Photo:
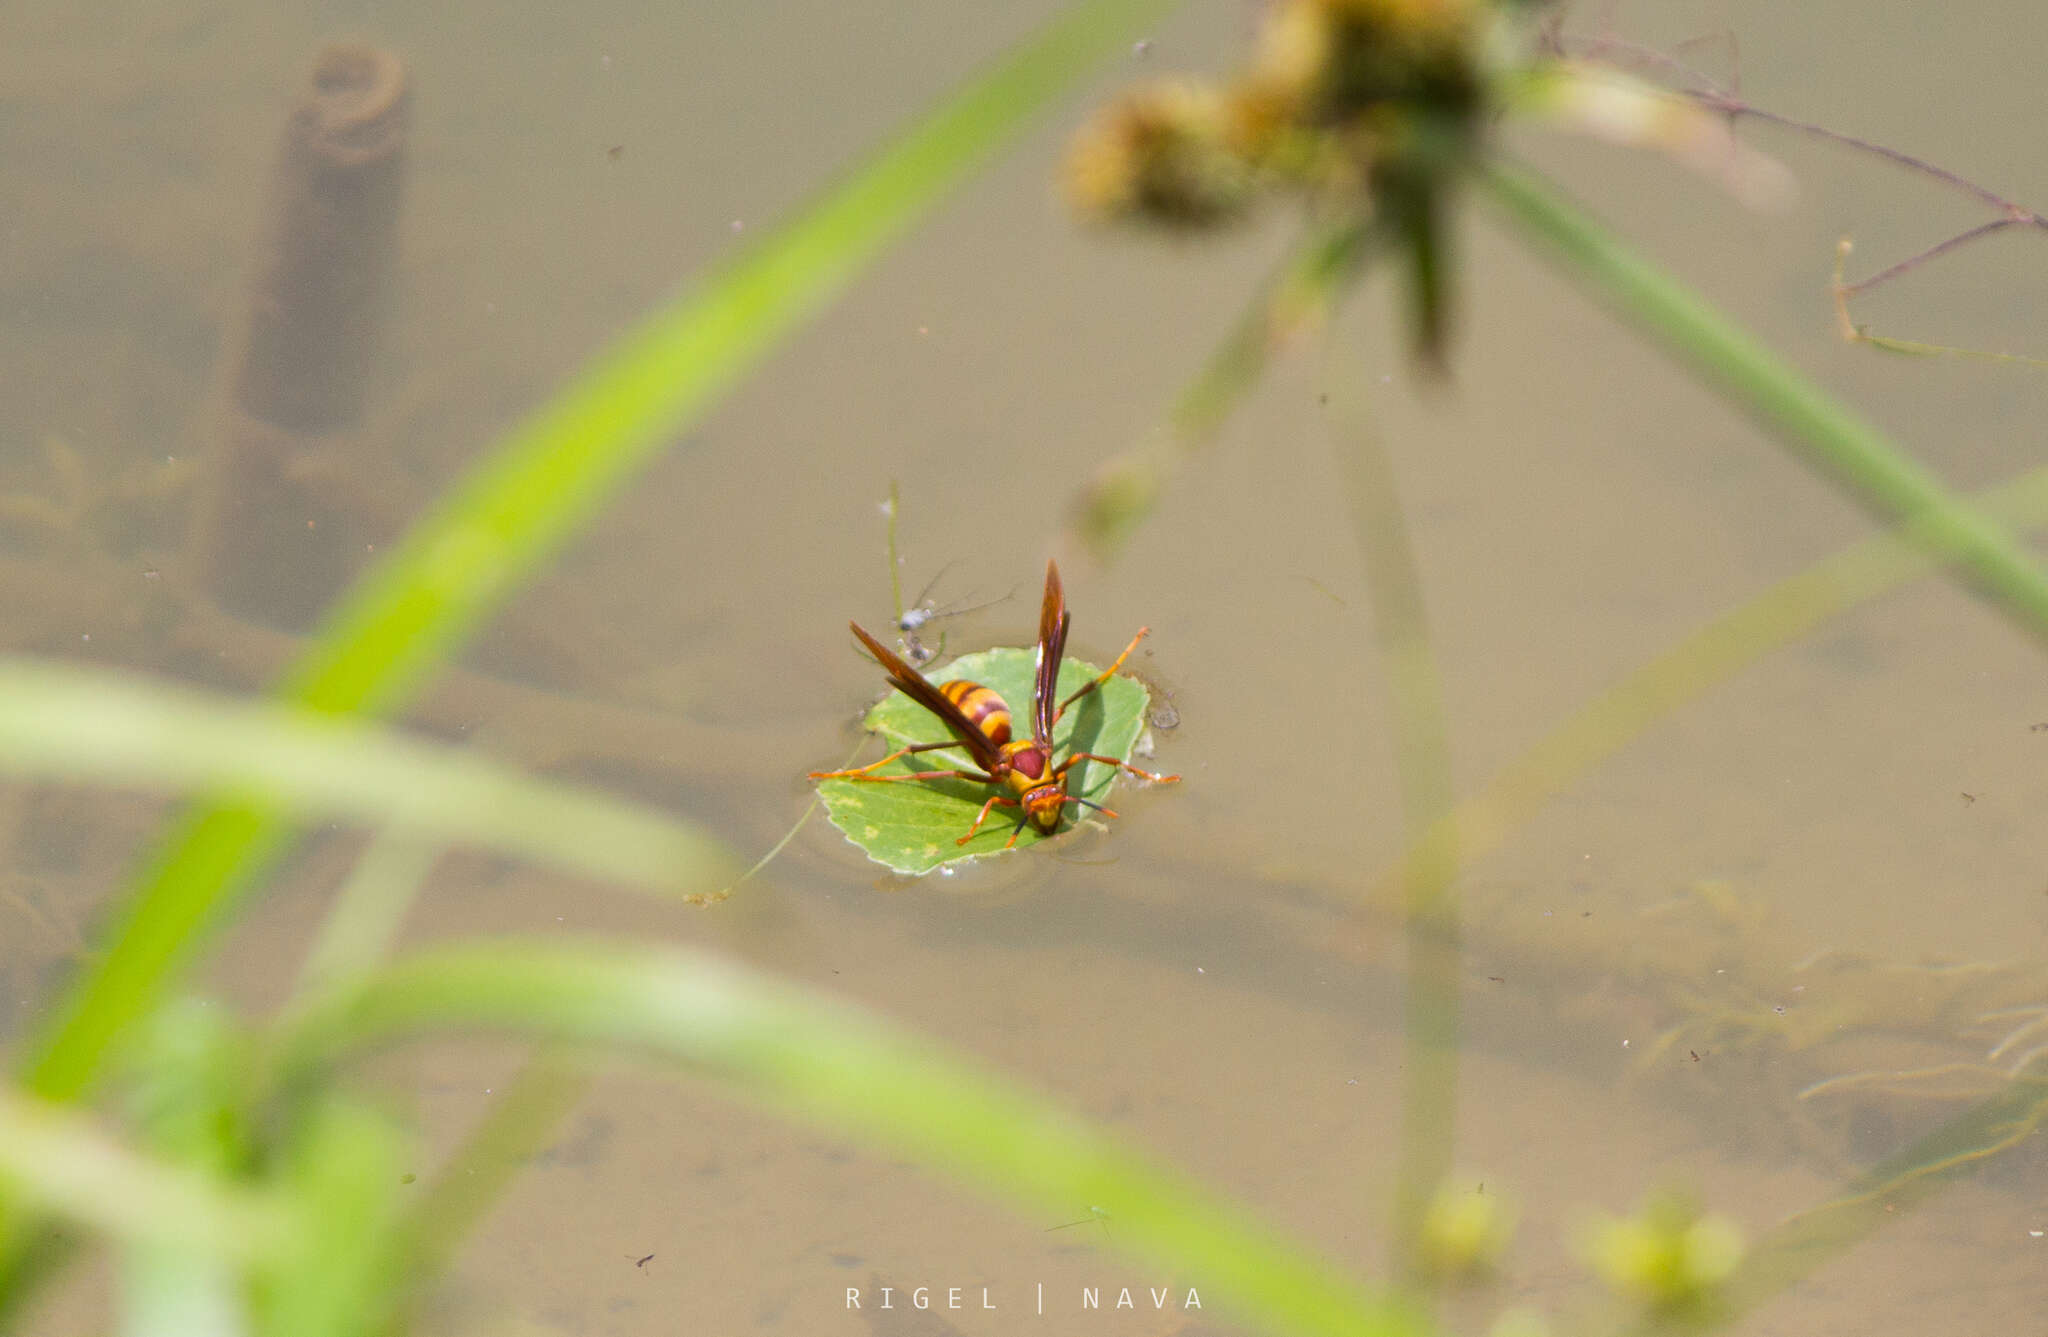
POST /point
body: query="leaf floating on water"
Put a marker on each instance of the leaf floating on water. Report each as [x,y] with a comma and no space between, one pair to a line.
[911,827]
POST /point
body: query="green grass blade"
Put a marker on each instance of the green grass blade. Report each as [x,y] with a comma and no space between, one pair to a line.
[167,1291]
[1847,450]
[853,1073]
[546,480]
[365,916]
[65,1165]
[70,722]
[338,1277]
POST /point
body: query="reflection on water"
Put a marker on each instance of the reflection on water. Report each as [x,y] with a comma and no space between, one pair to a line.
[1835,976]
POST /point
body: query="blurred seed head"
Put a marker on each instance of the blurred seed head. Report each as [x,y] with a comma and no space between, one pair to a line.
[1161,153]
[1464,1233]
[1672,1255]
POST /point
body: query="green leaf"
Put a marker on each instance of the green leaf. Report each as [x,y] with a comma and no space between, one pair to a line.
[914,826]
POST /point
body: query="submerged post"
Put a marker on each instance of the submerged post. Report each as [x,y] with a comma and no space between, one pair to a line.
[276,534]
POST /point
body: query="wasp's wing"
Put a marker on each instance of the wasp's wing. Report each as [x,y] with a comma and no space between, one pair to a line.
[919,689]
[1052,643]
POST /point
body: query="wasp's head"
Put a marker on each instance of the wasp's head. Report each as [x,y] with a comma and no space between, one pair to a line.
[1044,803]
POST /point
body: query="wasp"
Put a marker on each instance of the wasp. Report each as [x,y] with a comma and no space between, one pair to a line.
[1021,770]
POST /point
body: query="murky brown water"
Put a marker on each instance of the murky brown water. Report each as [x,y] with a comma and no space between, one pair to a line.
[1194,981]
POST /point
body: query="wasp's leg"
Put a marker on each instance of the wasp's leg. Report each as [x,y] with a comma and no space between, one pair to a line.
[1000,800]
[1105,675]
[861,772]
[1066,765]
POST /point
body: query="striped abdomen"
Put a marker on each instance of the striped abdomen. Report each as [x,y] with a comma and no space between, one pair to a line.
[989,712]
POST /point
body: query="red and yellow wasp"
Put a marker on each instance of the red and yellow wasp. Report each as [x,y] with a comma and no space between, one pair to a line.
[979,720]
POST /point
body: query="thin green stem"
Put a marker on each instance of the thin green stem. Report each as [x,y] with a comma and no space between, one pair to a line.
[1300,292]
[1422,761]
[522,1117]
[357,932]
